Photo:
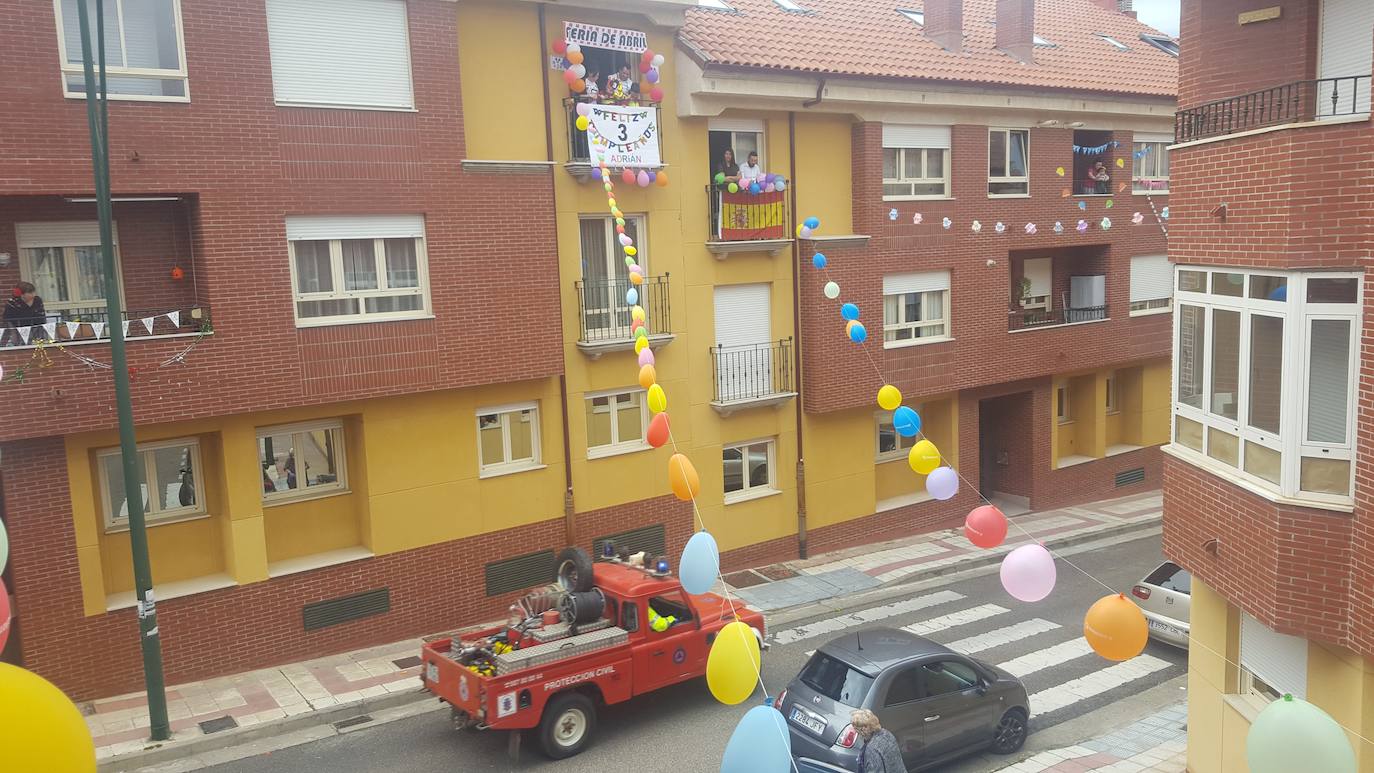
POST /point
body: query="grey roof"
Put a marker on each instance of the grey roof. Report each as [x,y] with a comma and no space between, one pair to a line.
[874,649]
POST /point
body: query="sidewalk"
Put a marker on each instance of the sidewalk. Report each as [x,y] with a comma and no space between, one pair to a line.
[1155,744]
[233,709]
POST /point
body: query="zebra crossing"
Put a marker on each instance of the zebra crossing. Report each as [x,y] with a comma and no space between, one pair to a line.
[1062,674]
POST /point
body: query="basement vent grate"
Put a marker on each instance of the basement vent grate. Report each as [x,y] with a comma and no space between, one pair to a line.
[323,614]
[1130,477]
[652,538]
[361,719]
[404,663]
[520,573]
[217,724]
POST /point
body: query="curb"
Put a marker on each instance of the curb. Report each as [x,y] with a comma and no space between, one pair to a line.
[161,753]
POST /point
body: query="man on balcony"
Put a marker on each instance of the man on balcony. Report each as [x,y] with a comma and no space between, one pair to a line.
[24,309]
[750,171]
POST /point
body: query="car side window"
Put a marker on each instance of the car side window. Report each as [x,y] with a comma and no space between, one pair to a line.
[629,616]
[672,605]
[904,687]
[612,611]
[947,676]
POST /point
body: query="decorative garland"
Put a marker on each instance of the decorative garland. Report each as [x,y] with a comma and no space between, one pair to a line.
[40,358]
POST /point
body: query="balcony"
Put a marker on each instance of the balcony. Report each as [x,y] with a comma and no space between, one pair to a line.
[752,376]
[1297,102]
[604,321]
[747,222]
[646,156]
[81,326]
[1026,319]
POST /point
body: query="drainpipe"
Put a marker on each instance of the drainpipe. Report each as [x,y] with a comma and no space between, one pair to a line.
[796,328]
[569,511]
[820,94]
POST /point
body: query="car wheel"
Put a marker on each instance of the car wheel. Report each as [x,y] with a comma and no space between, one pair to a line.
[567,726]
[575,570]
[1010,733]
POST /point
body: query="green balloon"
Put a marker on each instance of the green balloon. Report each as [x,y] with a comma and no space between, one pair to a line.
[720,178]
[641,332]
[733,188]
[620,221]
[629,261]
[1292,734]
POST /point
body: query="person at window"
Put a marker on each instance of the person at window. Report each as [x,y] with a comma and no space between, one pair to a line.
[750,172]
[881,753]
[621,85]
[1101,178]
[593,92]
[728,167]
[24,309]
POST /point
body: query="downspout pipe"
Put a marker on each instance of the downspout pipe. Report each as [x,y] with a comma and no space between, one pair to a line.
[820,94]
[796,328]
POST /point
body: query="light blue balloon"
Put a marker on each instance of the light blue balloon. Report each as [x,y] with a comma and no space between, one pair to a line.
[818,260]
[700,564]
[857,333]
[812,222]
[942,483]
[1082,205]
[4,547]
[780,184]
[849,311]
[906,421]
[760,744]
[632,296]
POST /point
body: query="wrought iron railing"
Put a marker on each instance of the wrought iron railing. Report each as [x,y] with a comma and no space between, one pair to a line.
[1022,319]
[605,313]
[578,149]
[752,371]
[746,216]
[93,323]
[1288,103]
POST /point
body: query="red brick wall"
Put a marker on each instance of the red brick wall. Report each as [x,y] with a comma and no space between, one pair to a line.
[1007,425]
[1221,58]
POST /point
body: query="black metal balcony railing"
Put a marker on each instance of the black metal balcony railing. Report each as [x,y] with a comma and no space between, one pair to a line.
[752,371]
[1022,319]
[82,324]
[578,149]
[745,216]
[1289,103]
[605,314]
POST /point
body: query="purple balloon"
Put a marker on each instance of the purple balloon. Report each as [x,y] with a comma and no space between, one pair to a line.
[643,179]
[942,483]
[652,76]
[596,173]
[1028,572]
[646,357]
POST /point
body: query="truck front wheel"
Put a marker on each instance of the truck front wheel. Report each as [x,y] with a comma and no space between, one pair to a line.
[567,725]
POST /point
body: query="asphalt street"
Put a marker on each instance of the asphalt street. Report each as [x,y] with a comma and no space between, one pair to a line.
[683,729]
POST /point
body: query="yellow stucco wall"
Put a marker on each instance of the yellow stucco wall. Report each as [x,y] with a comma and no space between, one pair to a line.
[499,60]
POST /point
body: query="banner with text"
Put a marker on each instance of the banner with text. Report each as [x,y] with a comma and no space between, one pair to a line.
[622,136]
[610,38]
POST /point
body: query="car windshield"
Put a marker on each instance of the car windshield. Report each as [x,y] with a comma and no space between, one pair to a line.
[836,680]
[1170,577]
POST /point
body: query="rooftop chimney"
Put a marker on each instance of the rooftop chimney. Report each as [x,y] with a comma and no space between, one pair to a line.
[944,23]
[1016,29]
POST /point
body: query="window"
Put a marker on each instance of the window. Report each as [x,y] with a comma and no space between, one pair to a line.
[1152,284]
[915,162]
[62,260]
[169,478]
[891,445]
[1265,369]
[915,308]
[340,53]
[616,422]
[947,676]
[719,4]
[672,605]
[748,469]
[1008,160]
[143,49]
[788,5]
[1037,277]
[1150,170]
[629,616]
[1271,663]
[1113,42]
[916,16]
[605,277]
[905,687]
[1113,396]
[301,460]
[1061,404]
[834,679]
[358,269]
[507,439]
[1169,576]
[1165,44]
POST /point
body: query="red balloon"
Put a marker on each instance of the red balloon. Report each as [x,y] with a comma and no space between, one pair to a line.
[985,526]
[647,56]
[560,47]
[569,76]
[5,606]
[628,176]
[656,94]
[658,430]
[645,67]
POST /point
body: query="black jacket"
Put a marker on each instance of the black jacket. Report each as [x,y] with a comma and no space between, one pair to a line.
[20,314]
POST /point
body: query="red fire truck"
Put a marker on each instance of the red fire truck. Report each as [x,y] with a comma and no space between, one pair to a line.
[603,634]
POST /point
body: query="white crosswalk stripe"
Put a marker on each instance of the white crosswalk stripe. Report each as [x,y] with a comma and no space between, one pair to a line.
[845,622]
[1075,690]
[1063,652]
[970,615]
[985,641]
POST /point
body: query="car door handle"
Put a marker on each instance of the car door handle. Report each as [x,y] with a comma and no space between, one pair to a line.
[658,654]
[932,719]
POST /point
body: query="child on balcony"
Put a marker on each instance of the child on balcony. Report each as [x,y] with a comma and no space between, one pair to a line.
[621,86]
[1102,177]
[24,309]
[593,92]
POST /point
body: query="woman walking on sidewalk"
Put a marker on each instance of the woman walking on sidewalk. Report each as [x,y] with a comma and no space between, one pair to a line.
[881,752]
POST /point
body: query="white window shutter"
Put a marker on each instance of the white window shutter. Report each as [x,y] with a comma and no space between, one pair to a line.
[1167,139]
[1328,369]
[925,281]
[301,228]
[1152,277]
[910,136]
[743,315]
[352,53]
[1278,659]
[61,233]
[1040,272]
[1345,51]
[735,125]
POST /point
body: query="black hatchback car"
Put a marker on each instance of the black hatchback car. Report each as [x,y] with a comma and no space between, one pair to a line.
[940,704]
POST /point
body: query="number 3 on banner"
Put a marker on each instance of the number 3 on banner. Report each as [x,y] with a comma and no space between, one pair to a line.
[624,132]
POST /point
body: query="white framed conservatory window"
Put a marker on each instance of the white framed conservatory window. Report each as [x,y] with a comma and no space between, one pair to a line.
[616,422]
[1265,368]
[145,53]
[749,470]
[1008,162]
[508,439]
[349,269]
[302,461]
[915,308]
[170,483]
[62,259]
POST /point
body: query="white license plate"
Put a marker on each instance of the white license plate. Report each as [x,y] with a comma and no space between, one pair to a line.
[814,725]
[432,672]
[1164,627]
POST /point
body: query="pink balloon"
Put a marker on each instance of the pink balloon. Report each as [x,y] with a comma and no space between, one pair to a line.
[4,615]
[1028,572]
[656,93]
[626,241]
[646,357]
[643,179]
[628,176]
[583,108]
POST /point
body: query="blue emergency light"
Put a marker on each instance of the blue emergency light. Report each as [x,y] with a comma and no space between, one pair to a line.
[662,566]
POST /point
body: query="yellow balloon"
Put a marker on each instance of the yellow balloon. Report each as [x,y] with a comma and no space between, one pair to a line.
[641,344]
[40,728]
[637,313]
[582,123]
[647,376]
[683,478]
[1115,628]
[636,278]
[610,203]
[924,457]
[631,250]
[889,397]
[658,400]
[732,667]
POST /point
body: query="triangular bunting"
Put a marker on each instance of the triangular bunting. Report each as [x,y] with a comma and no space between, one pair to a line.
[51,329]
[175,317]
[126,328]
[24,332]
[147,323]
[98,328]
[72,329]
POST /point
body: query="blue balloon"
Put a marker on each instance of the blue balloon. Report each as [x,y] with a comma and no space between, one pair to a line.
[812,222]
[906,421]
[700,564]
[1279,293]
[754,188]
[818,260]
[760,744]
[849,311]
[857,333]
[596,173]
[1082,205]
[631,296]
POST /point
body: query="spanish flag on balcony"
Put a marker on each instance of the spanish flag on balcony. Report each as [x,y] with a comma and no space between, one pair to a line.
[747,216]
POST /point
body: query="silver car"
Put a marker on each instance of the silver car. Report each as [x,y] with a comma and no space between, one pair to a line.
[1163,596]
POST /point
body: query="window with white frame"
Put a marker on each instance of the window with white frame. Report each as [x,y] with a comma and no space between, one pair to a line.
[144,53]
[302,460]
[1150,171]
[358,268]
[890,444]
[1271,663]
[915,162]
[1265,365]
[1113,394]
[748,469]
[169,482]
[340,53]
[605,277]
[62,259]
[1062,409]
[915,308]
[1008,162]
[1152,284]
[616,422]
[508,438]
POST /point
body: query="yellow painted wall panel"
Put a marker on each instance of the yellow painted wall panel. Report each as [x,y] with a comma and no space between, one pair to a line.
[246,554]
[425,516]
[92,579]
[311,526]
[177,551]
[500,62]
[895,479]
[1155,402]
[824,144]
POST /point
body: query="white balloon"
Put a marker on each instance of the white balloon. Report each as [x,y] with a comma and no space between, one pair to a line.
[579,70]
[657,61]
[574,48]
[832,290]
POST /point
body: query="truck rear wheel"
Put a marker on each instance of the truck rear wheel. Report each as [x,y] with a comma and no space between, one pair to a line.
[567,725]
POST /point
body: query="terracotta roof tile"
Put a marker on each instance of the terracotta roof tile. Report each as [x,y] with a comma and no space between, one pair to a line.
[870,38]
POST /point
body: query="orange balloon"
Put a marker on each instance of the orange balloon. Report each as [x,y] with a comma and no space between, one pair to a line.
[1115,628]
[658,428]
[576,57]
[578,86]
[636,278]
[647,377]
[662,180]
[682,477]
